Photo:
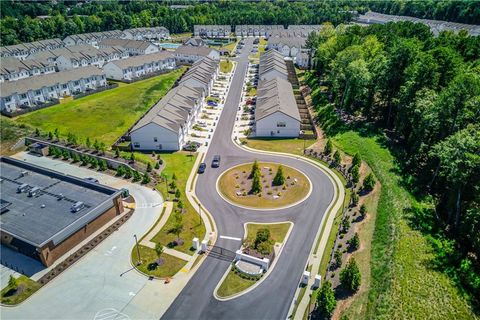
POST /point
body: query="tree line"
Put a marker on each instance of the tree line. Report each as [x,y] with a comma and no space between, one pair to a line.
[423,92]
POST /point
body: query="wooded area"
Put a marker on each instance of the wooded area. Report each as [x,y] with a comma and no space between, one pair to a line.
[424,93]
[20,22]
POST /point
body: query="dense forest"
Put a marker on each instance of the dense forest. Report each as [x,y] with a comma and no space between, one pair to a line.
[423,92]
[24,21]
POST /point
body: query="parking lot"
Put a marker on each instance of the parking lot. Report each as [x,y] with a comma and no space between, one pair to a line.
[202,131]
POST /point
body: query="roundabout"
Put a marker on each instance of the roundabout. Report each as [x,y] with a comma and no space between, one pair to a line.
[277,186]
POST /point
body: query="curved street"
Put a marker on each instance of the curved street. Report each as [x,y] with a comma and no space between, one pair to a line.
[272,298]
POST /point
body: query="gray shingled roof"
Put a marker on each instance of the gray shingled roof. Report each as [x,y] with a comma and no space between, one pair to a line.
[272,60]
[298,42]
[276,95]
[140,60]
[48,80]
[27,46]
[192,50]
[128,44]
[172,111]
[95,35]
[12,65]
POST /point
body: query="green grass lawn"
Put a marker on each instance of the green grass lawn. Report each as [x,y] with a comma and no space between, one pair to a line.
[278,231]
[233,284]
[226,66]
[294,145]
[105,115]
[401,257]
[170,267]
[10,132]
[26,287]
[180,163]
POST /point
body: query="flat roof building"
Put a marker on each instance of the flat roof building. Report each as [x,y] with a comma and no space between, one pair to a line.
[46,213]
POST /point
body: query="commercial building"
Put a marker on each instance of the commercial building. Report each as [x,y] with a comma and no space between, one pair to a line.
[13,69]
[46,213]
[213,31]
[133,47]
[276,112]
[191,54]
[38,90]
[139,66]
[272,65]
[22,50]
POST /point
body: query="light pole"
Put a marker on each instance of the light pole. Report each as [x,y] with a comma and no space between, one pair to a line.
[138,250]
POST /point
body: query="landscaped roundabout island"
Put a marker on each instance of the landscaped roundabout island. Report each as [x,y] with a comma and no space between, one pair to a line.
[263,185]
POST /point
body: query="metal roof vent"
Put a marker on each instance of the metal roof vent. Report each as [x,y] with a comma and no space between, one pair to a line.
[34,191]
[79,205]
[24,173]
[42,206]
[22,188]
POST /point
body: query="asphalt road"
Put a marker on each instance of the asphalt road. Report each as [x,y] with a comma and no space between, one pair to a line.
[272,298]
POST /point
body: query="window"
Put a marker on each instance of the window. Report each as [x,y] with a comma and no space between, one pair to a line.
[37,92]
[8,99]
[155,139]
[281,124]
[136,145]
[64,86]
[23,95]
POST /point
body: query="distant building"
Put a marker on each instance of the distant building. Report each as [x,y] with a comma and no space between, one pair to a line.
[276,112]
[139,66]
[436,26]
[251,30]
[191,54]
[133,47]
[288,47]
[13,69]
[152,33]
[212,31]
[41,89]
[22,50]
[92,38]
[272,65]
[47,213]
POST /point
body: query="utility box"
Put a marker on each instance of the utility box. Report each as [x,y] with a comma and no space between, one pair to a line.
[305,277]
[195,243]
[318,279]
[204,245]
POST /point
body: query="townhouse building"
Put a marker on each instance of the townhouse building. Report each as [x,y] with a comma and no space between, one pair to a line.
[34,91]
[190,54]
[153,33]
[139,66]
[92,38]
[202,74]
[212,31]
[272,65]
[133,47]
[22,50]
[250,30]
[13,69]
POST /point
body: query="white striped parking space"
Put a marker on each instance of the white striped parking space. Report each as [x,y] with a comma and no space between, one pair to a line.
[231,238]
[110,314]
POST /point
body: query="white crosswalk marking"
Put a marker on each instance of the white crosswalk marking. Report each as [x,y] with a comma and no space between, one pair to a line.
[230,238]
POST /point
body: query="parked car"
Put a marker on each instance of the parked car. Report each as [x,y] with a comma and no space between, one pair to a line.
[216,161]
[202,167]
[212,103]
[191,146]
[92,179]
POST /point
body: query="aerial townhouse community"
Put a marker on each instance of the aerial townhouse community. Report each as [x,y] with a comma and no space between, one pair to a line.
[213,31]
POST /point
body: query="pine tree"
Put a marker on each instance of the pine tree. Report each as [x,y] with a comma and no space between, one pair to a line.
[354,243]
[255,168]
[256,184]
[120,171]
[350,277]
[326,302]
[117,153]
[355,174]
[149,167]
[177,194]
[328,147]
[88,143]
[279,178]
[337,158]
[369,183]
[157,166]
[357,160]
[363,211]
[146,178]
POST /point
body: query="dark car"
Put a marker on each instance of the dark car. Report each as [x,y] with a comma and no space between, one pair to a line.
[202,167]
[191,146]
[216,161]
[92,179]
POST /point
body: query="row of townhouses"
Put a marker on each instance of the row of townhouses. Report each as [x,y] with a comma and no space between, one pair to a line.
[188,54]
[249,30]
[293,47]
[166,125]
[276,112]
[221,31]
[33,91]
[272,65]
[133,47]
[13,69]
[139,66]
[23,50]
[436,26]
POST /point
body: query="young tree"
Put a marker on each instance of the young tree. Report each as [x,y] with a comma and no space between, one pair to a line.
[255,169]
[350,277]
[326,302]
[37,132]
[354,243]
[337,158]
[354,199]
[263,235]
[345,224]
[180,205]
[75,157]
[256,184]
[357,160]
[159,249]
[128,173]
[153,154]
[136,176]
[132,157]
[146,178]
[369,183]
[174,177]
[279,178]
[177,194]
[102,147]
[120,171]
[149,167]
[355,174]
[337,256]
[117,153]
[56,133]
[177,226]
[50,135]
[363,211]
[96,145]
[157,166]
[88,143]
[102,165]
[328,147]
[172,185]
[93,162]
